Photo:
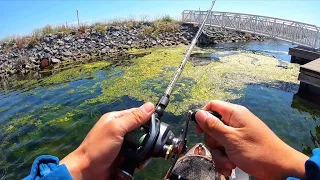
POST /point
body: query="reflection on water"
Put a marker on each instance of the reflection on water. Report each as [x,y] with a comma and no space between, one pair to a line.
[278,49]
[55,119]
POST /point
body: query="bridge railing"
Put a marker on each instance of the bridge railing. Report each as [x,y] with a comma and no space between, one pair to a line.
[292,31]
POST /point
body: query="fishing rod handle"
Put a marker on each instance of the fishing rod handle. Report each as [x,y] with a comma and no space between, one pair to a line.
[194,112]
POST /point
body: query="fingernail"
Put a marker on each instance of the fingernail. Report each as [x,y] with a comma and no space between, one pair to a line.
[201,116]
[147,107]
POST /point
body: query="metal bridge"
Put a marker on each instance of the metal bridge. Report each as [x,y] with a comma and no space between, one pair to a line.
[296,32]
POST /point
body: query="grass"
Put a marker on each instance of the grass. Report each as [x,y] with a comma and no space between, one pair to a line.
[147,30]
[166,24]
[100,27]
[167,18]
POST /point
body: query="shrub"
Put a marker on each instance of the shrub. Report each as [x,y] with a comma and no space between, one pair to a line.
[100,27]
[147,30]
[48,29]
[165,26]
[167,18]
[129,23]
[37,33]
[32,41]
[63,28]
[83,28]
[21,42]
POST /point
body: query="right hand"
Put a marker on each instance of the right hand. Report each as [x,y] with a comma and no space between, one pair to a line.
[241,139]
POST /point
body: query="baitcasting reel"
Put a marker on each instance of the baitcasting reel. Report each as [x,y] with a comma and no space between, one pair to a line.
[154,140]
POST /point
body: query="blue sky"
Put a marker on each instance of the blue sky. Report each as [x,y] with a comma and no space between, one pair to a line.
[20,17]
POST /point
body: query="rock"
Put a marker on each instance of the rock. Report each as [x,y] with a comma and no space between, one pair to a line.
[81,40]
[46,49]
[126,47]
[154,42]
[67,39]
[66,53]
[55,60]
[129,42]
[54,52]
[104,51]
[33,60]
[113,28]
[60,43]
[46,39]
[39,48]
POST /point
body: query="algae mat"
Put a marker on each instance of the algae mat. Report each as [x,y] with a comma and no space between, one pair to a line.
[225,79]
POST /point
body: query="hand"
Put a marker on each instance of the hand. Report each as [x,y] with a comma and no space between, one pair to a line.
[241,139]
[95,157]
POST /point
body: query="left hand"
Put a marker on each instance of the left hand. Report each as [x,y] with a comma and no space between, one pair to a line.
[94,158]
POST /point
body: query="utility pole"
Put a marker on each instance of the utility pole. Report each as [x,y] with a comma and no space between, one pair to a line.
[78,18]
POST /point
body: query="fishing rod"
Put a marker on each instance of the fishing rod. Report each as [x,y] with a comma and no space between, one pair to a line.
[156,139]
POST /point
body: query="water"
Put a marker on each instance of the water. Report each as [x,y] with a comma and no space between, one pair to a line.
[276,48]
[55,119]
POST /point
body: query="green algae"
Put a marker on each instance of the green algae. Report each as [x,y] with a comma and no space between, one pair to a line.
[62,119]
[24,83]
[84,71]
[148,77]
[80,72]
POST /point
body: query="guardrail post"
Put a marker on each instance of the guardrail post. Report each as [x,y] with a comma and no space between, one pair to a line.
[316,40]
[222,22]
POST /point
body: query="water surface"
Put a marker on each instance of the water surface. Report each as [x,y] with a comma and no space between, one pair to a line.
[54,119]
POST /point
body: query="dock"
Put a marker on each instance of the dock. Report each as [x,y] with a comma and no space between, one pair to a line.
[303,55]
[309,78]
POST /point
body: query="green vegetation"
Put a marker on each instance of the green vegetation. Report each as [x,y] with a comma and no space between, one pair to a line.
[167,18]
[146,80]
[160,26]
[80,72]
[100,27]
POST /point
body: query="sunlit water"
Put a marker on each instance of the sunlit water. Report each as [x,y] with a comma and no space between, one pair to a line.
[291,118]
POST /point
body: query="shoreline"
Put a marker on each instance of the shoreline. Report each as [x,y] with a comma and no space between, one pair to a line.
[108,42]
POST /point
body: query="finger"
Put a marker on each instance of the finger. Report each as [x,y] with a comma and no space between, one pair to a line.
[223,164]
[212,143]
[212,125]
[198,129]
[117,114]
[133,119]
[225,109]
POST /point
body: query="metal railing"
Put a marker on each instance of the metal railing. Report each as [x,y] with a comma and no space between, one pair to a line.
[296,32]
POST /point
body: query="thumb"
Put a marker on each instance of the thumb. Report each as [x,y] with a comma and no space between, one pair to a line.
[135,118]
[212,125]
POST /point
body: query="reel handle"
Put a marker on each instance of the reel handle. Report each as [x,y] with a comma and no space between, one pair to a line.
[194,112]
